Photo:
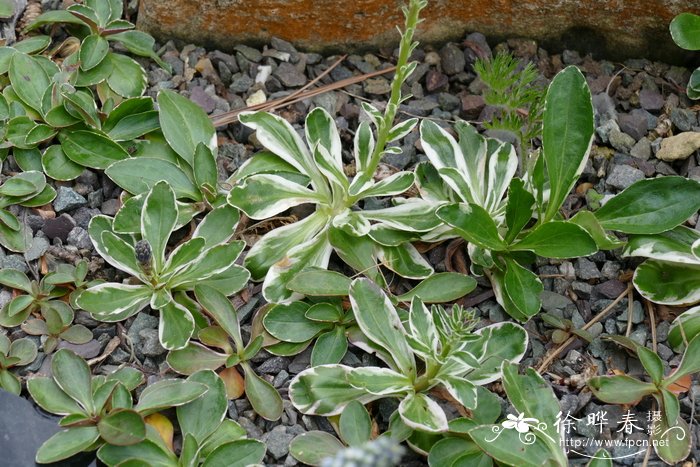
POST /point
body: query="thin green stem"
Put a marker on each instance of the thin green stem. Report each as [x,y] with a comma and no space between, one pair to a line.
[402,72]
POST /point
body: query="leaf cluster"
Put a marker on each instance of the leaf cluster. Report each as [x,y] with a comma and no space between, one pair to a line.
[684,31]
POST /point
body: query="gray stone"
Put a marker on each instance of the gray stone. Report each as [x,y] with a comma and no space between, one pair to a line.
[571,57]
[95,199]
[273,365]
[38,248]
[240,83]
[202,99]
[452,59]
[300,362]
[79,238]
[278,441]
[14,262]
[622,176]
[683,119]
[620,141]
[552,301]
[651,99]
[327,101]
[377,86]
[289,75]
[448,101]
[141,322]
[67,199]
[250,53]
[662,331]
[88,350]
[610,289]
[611,269]
[281,379]
[639,336]
[634,124]
[664,352]
[637,313]
[586,269]
[150,344]
[642,149]
[604,108]
[110,207]
[582,289]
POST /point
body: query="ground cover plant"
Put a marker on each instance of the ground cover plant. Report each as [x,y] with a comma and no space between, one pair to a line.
[342,254]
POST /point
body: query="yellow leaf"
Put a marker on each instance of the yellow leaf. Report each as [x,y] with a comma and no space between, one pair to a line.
[164,427]
[235,385]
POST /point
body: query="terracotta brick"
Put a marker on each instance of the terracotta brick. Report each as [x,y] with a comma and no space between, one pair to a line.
[615,28]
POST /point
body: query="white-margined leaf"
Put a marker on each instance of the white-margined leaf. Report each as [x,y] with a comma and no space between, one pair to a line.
[324,390]
[321,130]
[266,195]
[402,129]
[315,252]
[158,220]
[218,226]
[412,216]
[497,343]
[674,245]
[461,389]
[364,146]
[379,381]
[404,260]
[275,245]
[668,283]
[420,412]
[176,326]
[393,185]
[378,319]
[111,299]
[422,326]
[352,222]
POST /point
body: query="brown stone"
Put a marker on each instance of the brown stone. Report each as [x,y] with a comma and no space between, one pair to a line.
[629,28]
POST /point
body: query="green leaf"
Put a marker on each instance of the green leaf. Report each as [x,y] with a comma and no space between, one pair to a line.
[24,349]
[330,347]
[588,221]
[457,452]
[674,245]
[50,397]
[379,321]
[92,150]
[519,208]
[241,453]
[355,425]
[405,260]
[28,79]
[672,443]
[685,31]
[218,226]
[222,310]
[314,446]
[651,206]
[462,390]
[58,166]
[420,412]
[440,287]
[152,170]
[263,397]
[290,324]
[147,452]
[67,443]
[73,376]
[93,50]
[55,16]
[205,170]
[15,279]
[567,134]
[134,126]
[158,220]
[176,326]
[684,328]
[531,395]
[122,428]
[509,450]
[128,78]
[620,389]
[473,223]
[201,417]
[265,195]
[195,357]
[81,105]
[23,184]
[601,458]
[320,282]
[185,125]
[523,288]
[168,393]
[668,283]
[140,43]
[690,363]
[558,240]
[28,159]
[652,363]
[496,343]
[7,8]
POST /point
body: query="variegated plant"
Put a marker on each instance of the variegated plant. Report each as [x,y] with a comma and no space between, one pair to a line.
[433,348]
[194,357]
[337,224]
[508,220]
[671,275]
[27,189]
[136,242]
